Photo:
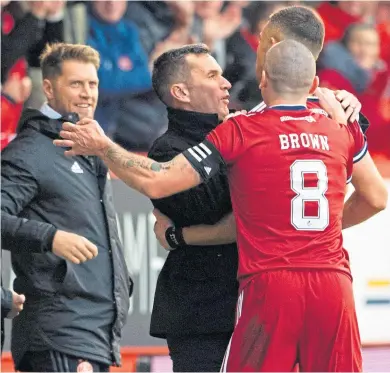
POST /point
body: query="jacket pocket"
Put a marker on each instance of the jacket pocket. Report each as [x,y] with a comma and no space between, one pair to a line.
[70,286]
[46,272]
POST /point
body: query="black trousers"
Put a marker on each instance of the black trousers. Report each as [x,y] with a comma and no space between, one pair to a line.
[54,361]
[198,353]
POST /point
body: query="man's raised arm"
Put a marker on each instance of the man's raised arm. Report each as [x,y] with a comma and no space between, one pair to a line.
[151,178]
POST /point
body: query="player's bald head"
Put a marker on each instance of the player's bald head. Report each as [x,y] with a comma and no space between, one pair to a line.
[290,68]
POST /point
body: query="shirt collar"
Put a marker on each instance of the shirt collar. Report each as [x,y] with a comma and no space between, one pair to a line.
[288,107]
[49,112]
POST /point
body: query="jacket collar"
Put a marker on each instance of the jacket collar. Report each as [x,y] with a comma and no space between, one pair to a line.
[42,123]
[191,123]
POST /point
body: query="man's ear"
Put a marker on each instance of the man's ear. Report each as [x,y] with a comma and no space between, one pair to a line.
[263,80]
[180,92]
[47,87]
[314,85]
[274,41]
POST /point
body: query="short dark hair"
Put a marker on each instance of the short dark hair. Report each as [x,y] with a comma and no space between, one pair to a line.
[302,24]
[55,54]
[172,67]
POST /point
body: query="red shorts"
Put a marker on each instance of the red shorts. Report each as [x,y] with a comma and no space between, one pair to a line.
[289,317]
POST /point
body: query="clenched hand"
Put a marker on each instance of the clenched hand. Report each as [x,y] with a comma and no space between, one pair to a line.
[17,305]
[73,247]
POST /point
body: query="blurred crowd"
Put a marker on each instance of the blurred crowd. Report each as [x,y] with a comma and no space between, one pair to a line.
[131,35]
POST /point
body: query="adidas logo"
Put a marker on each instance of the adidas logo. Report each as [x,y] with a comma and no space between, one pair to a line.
[76,168]
[208,170]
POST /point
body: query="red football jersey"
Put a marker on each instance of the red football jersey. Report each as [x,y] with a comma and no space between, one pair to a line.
[288,168]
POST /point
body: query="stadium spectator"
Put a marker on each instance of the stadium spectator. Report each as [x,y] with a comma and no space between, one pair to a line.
[128,108]
[59,224]
[14,92]
[354,64]
[241,55]
[25,27]
[213,23]
[157,20]
[337,15]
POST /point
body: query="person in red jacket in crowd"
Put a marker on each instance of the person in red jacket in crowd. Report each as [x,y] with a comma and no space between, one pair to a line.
[337,15]
[14,92]
[25,28]
[354,64]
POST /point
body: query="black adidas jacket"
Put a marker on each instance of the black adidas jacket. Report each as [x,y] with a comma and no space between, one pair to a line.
[75,309]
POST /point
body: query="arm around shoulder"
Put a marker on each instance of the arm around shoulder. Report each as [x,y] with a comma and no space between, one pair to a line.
[370,195]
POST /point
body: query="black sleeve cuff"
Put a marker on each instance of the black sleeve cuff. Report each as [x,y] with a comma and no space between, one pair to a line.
[48,243]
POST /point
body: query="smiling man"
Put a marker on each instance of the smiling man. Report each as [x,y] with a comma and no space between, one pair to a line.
[56,219]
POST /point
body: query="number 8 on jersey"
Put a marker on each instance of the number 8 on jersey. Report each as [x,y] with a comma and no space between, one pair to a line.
[306,194]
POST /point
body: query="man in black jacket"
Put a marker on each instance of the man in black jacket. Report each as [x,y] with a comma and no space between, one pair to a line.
[59,223]
[196,290]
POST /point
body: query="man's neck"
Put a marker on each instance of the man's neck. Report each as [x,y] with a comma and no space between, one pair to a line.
[286,101]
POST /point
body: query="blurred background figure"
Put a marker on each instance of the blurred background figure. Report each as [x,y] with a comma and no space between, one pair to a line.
[128,107]
[26,28]
[241,54]
[354,64]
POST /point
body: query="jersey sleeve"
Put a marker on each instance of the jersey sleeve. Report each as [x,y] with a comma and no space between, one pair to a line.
[228,138]
[359,147]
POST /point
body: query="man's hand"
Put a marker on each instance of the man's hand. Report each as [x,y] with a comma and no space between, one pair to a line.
[183,11]
[54,8]
[73,247]
[160,226]
[85,137]
[17,305]
[38,8]
[331,105]
[222,25]
[350,104]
